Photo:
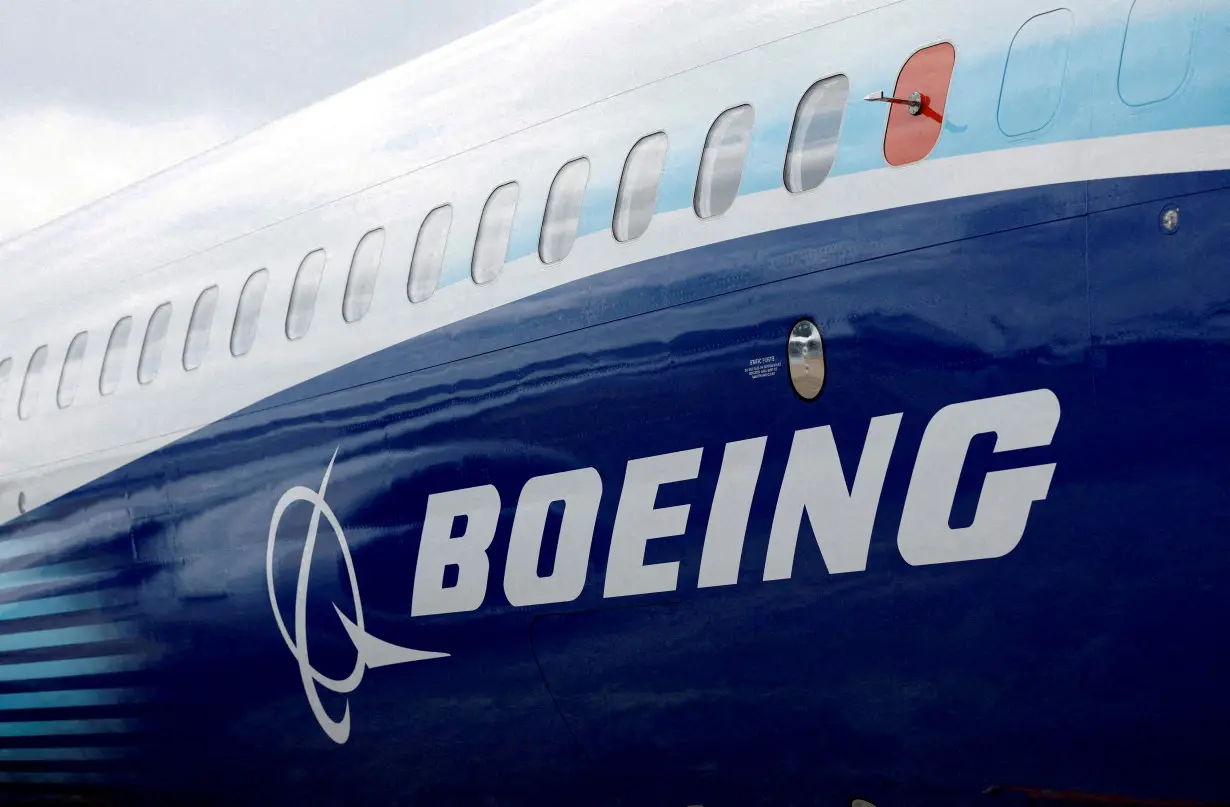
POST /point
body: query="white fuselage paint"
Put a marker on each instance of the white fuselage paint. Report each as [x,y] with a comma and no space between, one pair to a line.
[580,492]
[1026,420]
[841,517]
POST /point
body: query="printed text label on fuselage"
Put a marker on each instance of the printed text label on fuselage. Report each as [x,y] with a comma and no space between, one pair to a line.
[814,486]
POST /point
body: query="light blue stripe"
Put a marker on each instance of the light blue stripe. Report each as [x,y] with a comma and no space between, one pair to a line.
[58,637]
[1085,108]
[67,604]
[81,533]
[63,754]
[63,668]
[17,547]
[69,698]
[54,778]
[55,573]
[56,728]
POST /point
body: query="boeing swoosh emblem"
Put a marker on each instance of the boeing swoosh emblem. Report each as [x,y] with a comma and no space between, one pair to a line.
[372,652]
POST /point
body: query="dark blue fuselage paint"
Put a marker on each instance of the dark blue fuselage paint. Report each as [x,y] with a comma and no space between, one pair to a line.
[1089,658]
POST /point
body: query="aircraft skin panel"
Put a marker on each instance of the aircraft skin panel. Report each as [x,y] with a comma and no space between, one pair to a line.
[573,536]
[828,683]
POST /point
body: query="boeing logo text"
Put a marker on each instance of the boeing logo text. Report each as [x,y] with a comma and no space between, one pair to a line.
[814,486]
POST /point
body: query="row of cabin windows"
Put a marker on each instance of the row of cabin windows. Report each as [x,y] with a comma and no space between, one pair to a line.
[809,158]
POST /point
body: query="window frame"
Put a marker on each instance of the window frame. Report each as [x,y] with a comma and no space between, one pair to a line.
[296,290]
[6,377]
[446,208]
[707,172]
[33,393]
[82,338]
[791,151]
[244,306]
[1008,118]
[154,358]
[657,190]
[108,353]
[354,314]
[200,342]
[506,239]
[575,235]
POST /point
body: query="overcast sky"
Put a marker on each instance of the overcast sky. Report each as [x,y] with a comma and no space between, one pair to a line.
[96,94]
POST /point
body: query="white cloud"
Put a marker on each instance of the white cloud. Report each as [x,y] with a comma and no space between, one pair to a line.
[55,161]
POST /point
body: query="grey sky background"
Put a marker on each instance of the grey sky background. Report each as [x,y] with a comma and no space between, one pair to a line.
[97,94]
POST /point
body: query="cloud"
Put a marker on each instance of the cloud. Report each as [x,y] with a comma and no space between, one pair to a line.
[54,161]
[101,94]
[247,60]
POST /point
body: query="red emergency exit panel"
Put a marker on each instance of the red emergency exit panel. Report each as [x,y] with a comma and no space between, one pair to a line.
[910,138]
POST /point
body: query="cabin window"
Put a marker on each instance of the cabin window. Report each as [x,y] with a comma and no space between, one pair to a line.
[1034,75]
[248,312]
[70,373]
[721,163]
[113,359]
[303,295]
[494,229]
[151,348]
[1157,50]
[910,138]
[197,343]
[30,386]
[361,283]
[816,131]
[638,187]
[428,259]
[563,216]
[6,370]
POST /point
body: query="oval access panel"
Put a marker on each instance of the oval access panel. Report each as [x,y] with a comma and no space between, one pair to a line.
[805,357]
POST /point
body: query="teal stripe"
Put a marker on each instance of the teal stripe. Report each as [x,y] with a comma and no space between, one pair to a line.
[31,545]
[63,754]
[67,604]
[54,778]
[63,668]
[58,637]
[55,573]
[69,698]
[55,728]
[48,540]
